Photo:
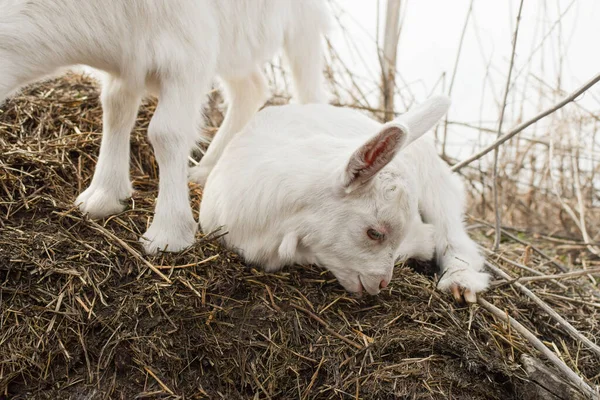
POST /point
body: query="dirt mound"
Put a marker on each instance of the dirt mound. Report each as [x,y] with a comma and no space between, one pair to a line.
[83,315]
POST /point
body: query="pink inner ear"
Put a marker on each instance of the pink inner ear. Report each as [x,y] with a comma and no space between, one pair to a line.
[379,148]
[372,156]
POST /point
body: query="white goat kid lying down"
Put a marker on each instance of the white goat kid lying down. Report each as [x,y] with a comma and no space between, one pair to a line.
[174,49]
[328,186]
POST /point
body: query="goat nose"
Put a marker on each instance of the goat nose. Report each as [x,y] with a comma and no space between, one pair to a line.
[383,284]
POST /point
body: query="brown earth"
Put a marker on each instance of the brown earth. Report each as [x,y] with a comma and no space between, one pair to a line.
[84,318]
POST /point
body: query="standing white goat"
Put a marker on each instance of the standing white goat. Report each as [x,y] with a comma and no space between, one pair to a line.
[328,186]
[174,49]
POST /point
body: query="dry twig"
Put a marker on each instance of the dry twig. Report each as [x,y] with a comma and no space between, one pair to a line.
[129,249]
[575,334]
[558,363]
[497,209]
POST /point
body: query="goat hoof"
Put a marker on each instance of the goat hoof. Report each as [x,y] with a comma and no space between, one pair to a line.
[464,284]
[166,238]
[99,202]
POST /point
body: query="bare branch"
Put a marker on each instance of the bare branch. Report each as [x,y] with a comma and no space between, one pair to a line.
[575,334]
[566,275]
[388,61]
[460,46]
[575,379]
[526,124]
[501,120]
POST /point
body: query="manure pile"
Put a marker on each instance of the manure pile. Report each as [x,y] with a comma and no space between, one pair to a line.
[84,316]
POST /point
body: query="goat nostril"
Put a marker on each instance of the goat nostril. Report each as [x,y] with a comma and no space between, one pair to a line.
[383,284]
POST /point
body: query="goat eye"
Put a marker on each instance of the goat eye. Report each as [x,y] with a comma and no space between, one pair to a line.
[375,235]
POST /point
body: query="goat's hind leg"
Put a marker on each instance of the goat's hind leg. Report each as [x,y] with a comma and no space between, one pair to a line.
[110,184]
[304,53]
[245,97]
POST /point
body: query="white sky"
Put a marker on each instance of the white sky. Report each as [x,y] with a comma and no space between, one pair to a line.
[429,41]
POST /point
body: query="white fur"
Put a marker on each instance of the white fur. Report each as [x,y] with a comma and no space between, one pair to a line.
[174,48]
[305,183]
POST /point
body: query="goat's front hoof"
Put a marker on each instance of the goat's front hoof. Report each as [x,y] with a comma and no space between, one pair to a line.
[173,237]
[199,173]
[99,202]
[464,283]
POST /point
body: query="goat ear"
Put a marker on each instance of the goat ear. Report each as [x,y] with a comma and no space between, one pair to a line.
[424,116]
[375,154]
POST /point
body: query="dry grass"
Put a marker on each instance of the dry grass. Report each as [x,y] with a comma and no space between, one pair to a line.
[83,317]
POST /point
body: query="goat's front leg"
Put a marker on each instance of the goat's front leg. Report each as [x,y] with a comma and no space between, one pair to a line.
[110,184]
[245,97]
[442,204]
[172,134]
[304,53]
[419,242]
